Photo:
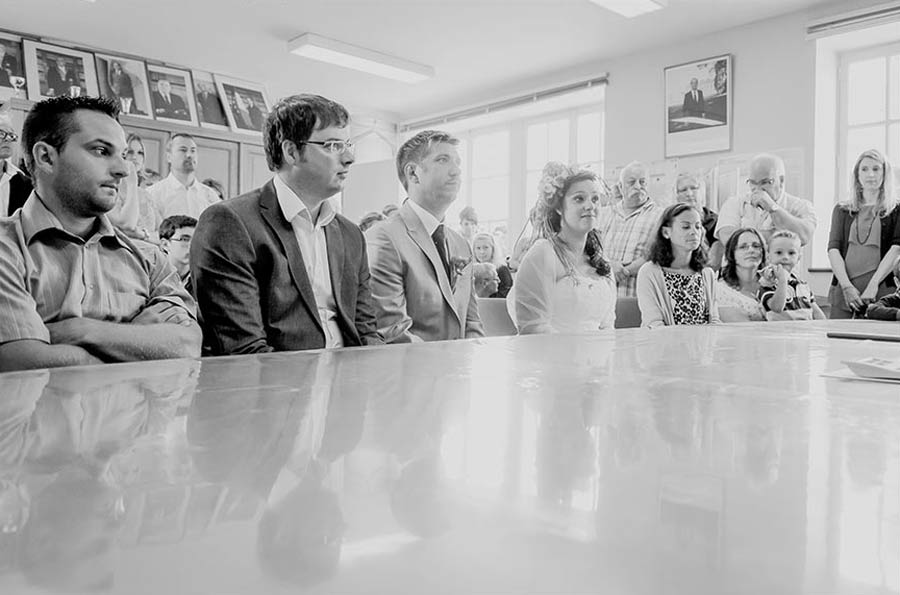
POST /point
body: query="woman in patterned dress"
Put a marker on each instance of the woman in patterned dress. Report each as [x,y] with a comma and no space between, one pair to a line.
[675,286]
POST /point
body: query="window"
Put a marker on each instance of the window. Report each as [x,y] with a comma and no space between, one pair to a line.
[503,154]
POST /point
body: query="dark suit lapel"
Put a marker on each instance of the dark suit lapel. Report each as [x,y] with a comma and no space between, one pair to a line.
[417,233]
[334,239]
[271,212]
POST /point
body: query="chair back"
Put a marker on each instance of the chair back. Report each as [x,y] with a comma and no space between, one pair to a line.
[495,318]
[628,315]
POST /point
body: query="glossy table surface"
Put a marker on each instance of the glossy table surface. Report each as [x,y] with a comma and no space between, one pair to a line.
[679,460]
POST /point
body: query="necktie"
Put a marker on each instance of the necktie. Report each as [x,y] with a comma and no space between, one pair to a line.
[695,97]
[440,242]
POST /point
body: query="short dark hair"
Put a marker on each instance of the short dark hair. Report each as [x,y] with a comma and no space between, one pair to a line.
[468,214]
[215,185]
[170,224]
[179,135]
[416,148]
[661,250]
[52,121]
[294,119]
[729,270]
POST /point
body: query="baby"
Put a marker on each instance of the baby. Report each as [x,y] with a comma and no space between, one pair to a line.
[782,294]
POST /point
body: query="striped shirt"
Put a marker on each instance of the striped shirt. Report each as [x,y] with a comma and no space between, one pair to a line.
[48,274]
[627,237]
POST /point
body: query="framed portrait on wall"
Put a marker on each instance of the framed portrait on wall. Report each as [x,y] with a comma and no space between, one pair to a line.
[53,71]
[12,67]
[172,94]
[125,80]
[246,104]
[210,107]
[698,106]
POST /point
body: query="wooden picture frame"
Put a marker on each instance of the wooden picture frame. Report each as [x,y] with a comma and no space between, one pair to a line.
[210,107]
[176,84]
[52,70]
[246,104]
[12,67]
[698,106]
[125,79]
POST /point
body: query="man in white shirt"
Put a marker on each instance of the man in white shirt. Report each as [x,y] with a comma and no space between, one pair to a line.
[422,269]
[278,269]
[767,208]
[180,193]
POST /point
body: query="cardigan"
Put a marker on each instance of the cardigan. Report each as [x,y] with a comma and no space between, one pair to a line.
[839,235]
[653,298]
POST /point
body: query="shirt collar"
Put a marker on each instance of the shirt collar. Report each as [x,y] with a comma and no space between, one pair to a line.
[620,207]
[428,220]
[291,205]
[172,181]
[36,218]
[8,169]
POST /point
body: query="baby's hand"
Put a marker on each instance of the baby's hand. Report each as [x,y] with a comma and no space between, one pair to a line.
[781,274]
[767,276]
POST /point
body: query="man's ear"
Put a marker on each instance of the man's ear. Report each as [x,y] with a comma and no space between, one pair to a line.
[45,156]
[290,151]
[411,172]
[164,245]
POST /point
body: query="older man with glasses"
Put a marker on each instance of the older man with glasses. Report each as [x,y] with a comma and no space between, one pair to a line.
[765,206]
[278,269]
[15,186]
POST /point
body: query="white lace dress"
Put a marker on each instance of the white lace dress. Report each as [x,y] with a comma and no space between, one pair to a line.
[734,306]
[545,299]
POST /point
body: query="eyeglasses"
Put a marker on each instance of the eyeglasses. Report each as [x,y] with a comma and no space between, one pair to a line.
[182,239]
[8,136]
[760,183]
[332,146]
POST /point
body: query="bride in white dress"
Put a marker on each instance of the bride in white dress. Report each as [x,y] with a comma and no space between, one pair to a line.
[564,285]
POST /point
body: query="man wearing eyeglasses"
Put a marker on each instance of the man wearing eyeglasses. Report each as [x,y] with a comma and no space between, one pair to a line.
[15,186]
[175,234]
[278,269]
[766,206]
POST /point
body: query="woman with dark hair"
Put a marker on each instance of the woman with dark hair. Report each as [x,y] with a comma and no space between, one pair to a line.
[738,291]
[864,241]
[675,286]
[564,284]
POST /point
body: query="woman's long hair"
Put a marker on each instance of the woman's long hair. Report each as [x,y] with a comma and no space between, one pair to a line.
[729,271]
[887,199]
[661,250]
[556,180]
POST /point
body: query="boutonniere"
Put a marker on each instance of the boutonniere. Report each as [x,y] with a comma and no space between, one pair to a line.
[457,266]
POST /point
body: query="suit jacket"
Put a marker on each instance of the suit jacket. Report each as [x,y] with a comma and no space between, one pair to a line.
[19,190]
[9,66]
[251,284]
[59,85]
[174,109]
[414,298]
[691,107]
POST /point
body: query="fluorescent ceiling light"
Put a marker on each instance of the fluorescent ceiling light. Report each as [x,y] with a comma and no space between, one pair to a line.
[631,8]
[316,47]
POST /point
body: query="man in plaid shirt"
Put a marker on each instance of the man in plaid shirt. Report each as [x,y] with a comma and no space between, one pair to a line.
[628,227]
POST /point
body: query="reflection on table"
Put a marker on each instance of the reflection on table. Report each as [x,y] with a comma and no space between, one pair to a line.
[679,460]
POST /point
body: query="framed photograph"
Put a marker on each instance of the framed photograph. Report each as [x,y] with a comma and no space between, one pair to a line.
[125,79]
[210,107]
[246,104]
[53,71]
[12,67]
[698,106]
[172,95]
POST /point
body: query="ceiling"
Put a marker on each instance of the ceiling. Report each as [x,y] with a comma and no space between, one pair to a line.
[480,49]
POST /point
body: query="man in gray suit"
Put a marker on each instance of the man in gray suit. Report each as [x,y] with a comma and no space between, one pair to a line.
[277,269]
[422,269]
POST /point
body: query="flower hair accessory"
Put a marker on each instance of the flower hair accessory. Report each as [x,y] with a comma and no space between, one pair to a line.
[553,178]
